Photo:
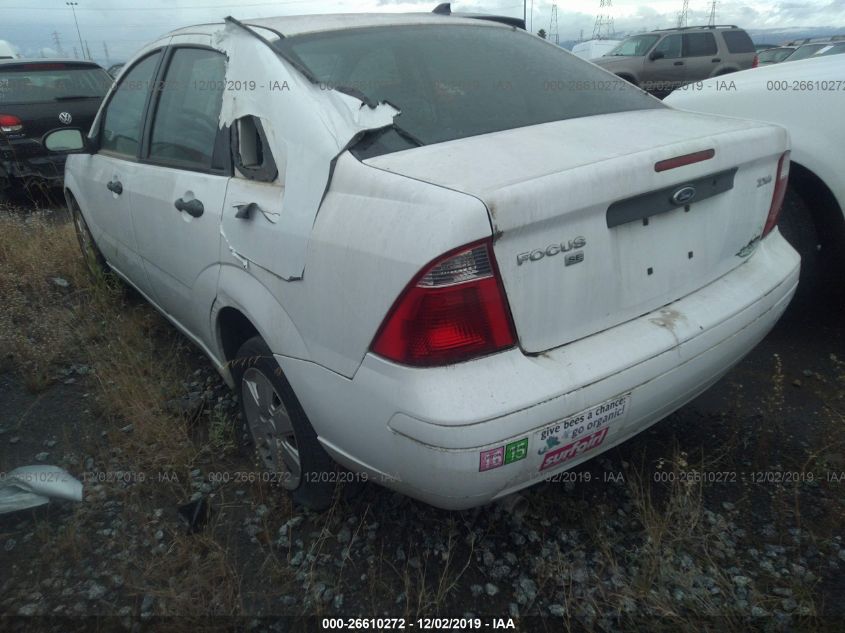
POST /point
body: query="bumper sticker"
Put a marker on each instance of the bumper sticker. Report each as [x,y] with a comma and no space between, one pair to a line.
[492,458]
[501,455]
[567,439]
[573,450]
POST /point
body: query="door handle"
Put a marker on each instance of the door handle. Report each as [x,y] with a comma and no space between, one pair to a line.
[679,63]
[115,187]
[193,207]
[716,60]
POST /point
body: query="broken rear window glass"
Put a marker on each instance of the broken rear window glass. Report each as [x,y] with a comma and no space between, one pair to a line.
[456,81]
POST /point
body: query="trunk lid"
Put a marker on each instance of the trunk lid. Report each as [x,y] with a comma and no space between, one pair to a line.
[584,232]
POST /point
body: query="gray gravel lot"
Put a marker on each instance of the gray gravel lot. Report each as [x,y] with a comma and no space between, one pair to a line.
[727,515]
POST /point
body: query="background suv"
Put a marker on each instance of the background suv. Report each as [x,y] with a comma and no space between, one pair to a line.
[662,60]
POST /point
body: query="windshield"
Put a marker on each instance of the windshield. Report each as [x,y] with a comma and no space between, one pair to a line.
[774,55]
[457,81]
[837,49]
[636,46]
[803,52]
[40,82]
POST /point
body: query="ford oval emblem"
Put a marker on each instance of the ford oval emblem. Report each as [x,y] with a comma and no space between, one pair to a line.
[65,118]
[684,195]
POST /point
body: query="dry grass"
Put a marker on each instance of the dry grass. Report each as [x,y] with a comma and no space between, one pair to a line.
[38,321]
[138,363]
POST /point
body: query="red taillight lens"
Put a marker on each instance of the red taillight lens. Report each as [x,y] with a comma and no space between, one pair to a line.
[10,123]
[454,310]
[756,62]
[777,197]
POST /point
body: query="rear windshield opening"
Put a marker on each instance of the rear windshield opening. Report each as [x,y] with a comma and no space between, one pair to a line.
[37,83]
[456,81]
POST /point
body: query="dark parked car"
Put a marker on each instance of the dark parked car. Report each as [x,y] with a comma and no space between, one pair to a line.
[36,97]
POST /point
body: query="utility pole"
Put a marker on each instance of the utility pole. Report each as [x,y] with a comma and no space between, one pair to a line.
[553,32]
[75,54]
[88,51]
[58,42]
[106,51]
[712,20]
[75,21]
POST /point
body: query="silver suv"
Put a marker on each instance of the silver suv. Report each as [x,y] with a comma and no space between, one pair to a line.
[662,60]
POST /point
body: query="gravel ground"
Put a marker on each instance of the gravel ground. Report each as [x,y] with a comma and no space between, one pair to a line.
[752,540]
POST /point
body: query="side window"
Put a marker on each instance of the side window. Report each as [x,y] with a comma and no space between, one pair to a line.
[699,44]
[124,116]
[185,127]
[738,42]
[251,152]
[670,46]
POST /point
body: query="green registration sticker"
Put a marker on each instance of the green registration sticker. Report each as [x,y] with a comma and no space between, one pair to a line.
[516,450]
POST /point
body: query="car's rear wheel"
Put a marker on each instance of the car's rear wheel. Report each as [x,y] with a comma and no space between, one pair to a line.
[275,432]
[94,260]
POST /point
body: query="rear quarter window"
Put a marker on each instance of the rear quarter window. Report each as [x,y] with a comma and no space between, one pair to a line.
[700,44]
[738,42]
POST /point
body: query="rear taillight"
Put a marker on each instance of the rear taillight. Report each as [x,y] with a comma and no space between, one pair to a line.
[10,124]
[454,310]
[756,62]
[779,193]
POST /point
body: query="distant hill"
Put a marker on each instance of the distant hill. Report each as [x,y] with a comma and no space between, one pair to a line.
[780,36]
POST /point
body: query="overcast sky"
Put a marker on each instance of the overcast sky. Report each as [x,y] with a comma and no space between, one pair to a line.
[125,25]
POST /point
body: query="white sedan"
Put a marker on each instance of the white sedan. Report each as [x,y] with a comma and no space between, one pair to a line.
[442,252]
[807,97]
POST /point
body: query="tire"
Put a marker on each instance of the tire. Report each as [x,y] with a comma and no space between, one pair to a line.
[798,227]
[275,432]
[94,260]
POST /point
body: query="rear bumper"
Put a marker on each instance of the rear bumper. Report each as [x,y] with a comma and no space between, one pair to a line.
[463,435]
[26,158]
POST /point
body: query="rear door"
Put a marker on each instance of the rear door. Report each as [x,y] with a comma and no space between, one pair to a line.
[701,55]
[180,184]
